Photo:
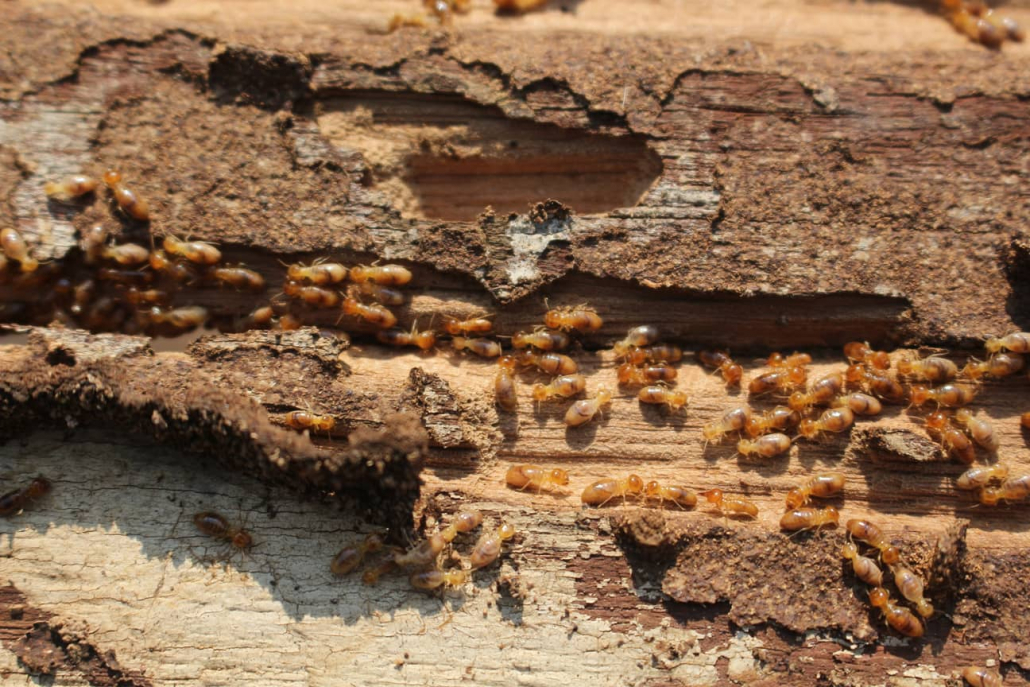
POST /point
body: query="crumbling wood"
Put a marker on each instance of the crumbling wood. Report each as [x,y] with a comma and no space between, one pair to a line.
[736,186]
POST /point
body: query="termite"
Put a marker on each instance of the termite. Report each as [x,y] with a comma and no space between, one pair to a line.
[602,491]
[735,505]
[536,478]
[70,187]
[898,617]
[584,410]
[350,557]
[17,500]
[821,486]
[214,525]
[488,548]
[806,518]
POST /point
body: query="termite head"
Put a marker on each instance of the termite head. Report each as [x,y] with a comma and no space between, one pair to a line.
[559,476]
[242,540]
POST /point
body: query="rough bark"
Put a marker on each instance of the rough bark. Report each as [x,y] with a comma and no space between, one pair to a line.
[725,179]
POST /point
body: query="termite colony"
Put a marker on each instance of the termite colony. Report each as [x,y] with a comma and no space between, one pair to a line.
[128,287]
[422,561]
[810,410]
[909,585]
[118,286]
[443,12]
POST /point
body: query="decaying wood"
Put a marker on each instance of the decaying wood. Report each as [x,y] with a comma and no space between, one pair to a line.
[723,179]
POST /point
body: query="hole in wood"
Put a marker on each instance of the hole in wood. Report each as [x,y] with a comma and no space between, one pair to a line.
[441,157]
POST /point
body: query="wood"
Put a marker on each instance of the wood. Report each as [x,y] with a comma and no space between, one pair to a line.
[712,172]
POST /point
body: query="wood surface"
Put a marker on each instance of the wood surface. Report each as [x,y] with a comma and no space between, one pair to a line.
[755,176]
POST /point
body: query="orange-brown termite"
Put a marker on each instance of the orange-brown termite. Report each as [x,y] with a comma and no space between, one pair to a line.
[315,296]
[859,403]
[301,420]
[395,336]
[317,273]
[980,429]
[462,523]
[875,381]
[472,325]
[681,496]
[793,360]
[542,339]
[861,352]
[70,187]
[731,372]
[94,241]
[488,548]
[377,315]
[1018,342]
[565,386]
[778,418]
[548,362]
[584,410]
[978,676]
[350,557]
[911,587]
[636,338]
[147,296]
[536,478]
[933,369]
[673,399]
[602,491]
[865,531]
[372,575]
[821,486]
[504,384]
[954,440]
[806,518]
[865,568]
[1012,489]
[380,294]
[239,277]
[14,247]
[579,318]
[731,505]
[161,263]
[998,365]
[630,374]
[214,525]
[834,420]
[782,379]
[127,254]
[422,554]
[821,392]
[127,200]
[766,446]
[183,319]
[386,275]
[435,579]
[734,420]
[980,476]
[898,617]
[17,500]
[484,348]
[197,252]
